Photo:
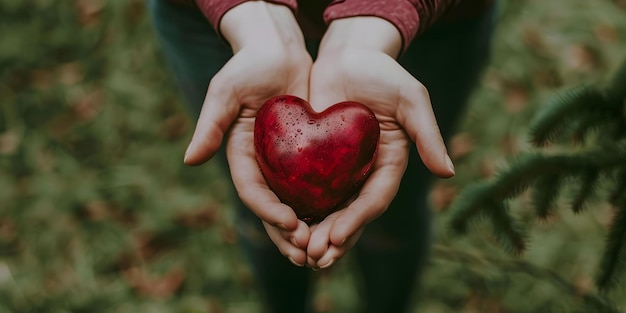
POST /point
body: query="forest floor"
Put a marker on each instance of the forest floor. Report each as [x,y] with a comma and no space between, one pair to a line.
[98,213]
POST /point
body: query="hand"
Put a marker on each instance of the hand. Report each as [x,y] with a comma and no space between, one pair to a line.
[269,59]
[356,62]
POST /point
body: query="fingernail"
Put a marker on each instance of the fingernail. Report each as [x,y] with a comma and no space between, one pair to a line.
[187,152]
[315,269]
[449,163]
[293,240]
[331,262]
[294,262]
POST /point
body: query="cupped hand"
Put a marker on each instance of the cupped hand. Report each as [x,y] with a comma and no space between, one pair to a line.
[367,72]
[269,59]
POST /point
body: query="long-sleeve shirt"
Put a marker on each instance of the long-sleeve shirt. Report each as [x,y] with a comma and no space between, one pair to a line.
[411,17]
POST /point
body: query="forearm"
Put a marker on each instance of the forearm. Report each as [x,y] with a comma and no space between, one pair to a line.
[363,32]
[410,17]
[260,24]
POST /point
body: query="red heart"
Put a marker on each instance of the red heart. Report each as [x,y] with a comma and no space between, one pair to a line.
[315,162]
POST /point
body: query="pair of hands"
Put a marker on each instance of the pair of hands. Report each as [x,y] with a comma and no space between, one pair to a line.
[355,62]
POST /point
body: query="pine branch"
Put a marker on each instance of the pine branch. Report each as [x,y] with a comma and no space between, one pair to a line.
[506,229]
[616,89]
[545,193]
[613,261]
[595,302]
[579,110]
[619,187]
[585,190]
[570,105]
[487,197]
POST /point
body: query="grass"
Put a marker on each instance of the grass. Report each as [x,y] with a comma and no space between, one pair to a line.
[98,213]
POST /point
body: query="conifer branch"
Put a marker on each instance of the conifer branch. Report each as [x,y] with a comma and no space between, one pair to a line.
[615,91]
[524,173]
[574,113]
[578,105]
[596,302]
[585,190]
[545,193]
[619,187]
[507,231]
[613,261]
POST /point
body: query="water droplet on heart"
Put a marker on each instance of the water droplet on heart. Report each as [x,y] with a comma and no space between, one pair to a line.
[343,118]
[318,125]
[311,122]
[299,149]
[298,130]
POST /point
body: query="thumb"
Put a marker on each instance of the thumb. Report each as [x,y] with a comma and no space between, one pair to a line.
[219,110]
[416,115]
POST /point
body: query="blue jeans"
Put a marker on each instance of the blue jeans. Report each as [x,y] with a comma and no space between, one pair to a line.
[393,250]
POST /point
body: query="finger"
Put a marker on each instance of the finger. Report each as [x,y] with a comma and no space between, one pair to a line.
[416,115]
[219,110]
[374,198]
[319,241]
[250,184]
[296,255]
[335,253]
[298,237]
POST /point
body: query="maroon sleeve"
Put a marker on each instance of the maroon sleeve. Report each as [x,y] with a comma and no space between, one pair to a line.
[411,17]
[215,9]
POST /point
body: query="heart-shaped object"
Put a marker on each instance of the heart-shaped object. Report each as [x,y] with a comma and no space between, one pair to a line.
[315,162]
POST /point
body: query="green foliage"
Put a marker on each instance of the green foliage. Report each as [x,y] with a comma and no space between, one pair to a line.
[588,109]
[98,214]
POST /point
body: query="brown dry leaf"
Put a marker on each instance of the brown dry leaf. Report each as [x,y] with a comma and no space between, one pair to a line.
[606,32]
[175,126]
[580,57]
[152,286]
[442,195]
[89,105]
[487,168]
[547,77]
[70,73]
[41,79]
[533,38]
[8,232]
[89,11]
[229,235]
[584,284]
[202,218]
[9,142]
[96,210]
[461,145]
[323,302]
[511,144]
[516,99]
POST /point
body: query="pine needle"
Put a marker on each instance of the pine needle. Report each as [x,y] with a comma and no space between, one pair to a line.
[566,107]
[613,262]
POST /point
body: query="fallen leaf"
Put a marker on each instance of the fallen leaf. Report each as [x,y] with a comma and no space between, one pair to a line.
[152,286]
[442,195]
[461,145]
[9,142]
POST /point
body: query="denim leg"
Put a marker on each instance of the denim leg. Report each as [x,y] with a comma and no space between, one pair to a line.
[394,249]
[195,53]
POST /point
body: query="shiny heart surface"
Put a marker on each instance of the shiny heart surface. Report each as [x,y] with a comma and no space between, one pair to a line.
[315,162]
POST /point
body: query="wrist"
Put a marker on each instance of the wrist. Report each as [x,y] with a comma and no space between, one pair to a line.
[362,32]
[261,24]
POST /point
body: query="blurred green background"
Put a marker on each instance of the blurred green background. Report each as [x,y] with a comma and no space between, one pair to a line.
[98,213]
